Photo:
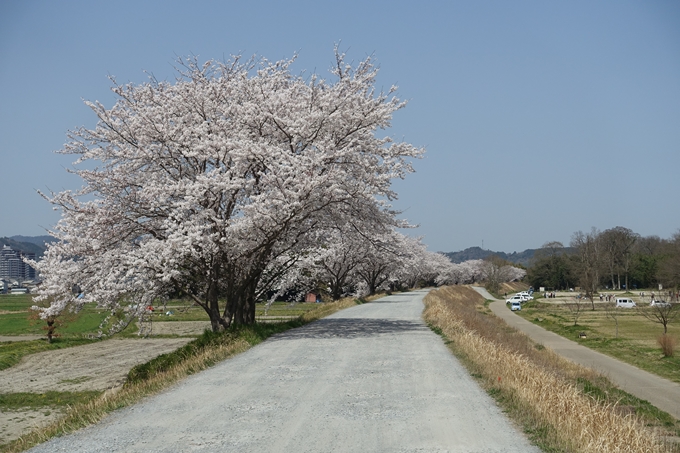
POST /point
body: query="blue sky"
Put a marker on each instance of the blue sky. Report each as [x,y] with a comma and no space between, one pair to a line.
[539,118]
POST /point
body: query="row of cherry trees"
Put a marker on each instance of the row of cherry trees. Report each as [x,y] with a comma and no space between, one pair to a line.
[363,265]
[238,181]
[398,261]
[493,272]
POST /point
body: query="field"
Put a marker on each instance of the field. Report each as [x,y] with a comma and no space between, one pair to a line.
[635,342]
[15,318]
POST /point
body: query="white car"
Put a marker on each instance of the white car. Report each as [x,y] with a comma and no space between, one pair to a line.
[516,298]
[515,306]
[659,303]
[526,295]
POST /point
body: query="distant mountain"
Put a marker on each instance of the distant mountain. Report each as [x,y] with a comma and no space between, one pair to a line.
[477,253]
[37,240]
[29,244]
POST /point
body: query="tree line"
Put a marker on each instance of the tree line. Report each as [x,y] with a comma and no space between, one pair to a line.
[616,258]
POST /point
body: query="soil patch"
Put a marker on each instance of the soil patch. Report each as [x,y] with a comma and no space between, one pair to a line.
[181,328]
[96,366]
[14,423]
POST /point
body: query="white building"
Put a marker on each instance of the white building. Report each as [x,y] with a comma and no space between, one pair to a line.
[12,265]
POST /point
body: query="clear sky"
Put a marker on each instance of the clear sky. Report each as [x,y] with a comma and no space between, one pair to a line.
[539,118]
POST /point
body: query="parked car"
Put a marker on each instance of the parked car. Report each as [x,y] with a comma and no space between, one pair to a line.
[515,306]
[516,298]
[659,303]
[526,295]
[625,302]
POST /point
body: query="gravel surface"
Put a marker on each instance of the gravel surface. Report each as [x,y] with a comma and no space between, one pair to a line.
[370,378]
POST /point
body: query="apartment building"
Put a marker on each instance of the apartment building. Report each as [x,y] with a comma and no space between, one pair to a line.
[12,265]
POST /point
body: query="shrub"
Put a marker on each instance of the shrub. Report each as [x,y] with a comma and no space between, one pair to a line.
[667,344]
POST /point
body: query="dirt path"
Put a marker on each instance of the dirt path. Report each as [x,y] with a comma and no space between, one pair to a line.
[370,378]
[20,337]
[660,392]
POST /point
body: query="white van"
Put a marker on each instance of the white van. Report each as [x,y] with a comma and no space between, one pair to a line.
[625,302]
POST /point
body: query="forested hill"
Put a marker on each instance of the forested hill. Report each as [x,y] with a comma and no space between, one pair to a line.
[29,244]
[477,253]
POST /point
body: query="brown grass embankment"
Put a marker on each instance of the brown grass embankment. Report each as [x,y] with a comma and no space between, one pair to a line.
[535,385]
[512,287]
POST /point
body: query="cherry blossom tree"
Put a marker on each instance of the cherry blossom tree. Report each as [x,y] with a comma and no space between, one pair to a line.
[382,256]
[211,185]
[473,271]
[343,257]
[369,260]
[422,267]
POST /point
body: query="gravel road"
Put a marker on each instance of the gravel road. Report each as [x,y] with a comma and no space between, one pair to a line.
[370,378]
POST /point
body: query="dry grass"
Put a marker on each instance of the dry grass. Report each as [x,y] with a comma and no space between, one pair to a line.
[667,344]
[84,414]
[537,384]
[512,287]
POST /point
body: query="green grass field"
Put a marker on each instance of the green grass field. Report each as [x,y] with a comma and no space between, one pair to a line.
[635,344]
[16,314]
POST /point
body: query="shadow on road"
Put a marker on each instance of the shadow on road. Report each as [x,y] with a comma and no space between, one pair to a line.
[350,328]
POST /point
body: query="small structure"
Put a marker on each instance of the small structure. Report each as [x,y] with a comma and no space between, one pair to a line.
[313,296]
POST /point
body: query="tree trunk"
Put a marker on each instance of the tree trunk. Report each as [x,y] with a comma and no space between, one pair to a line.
[249,309]
[50,330]
[214,308]
[336,291]
[243,303]
[212,302]
[239,315]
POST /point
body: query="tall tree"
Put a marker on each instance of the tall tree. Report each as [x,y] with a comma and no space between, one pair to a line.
[669,267]
[648,253]
[551,267]
[496,270]
[588,261]
[617,244]
[208,184]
